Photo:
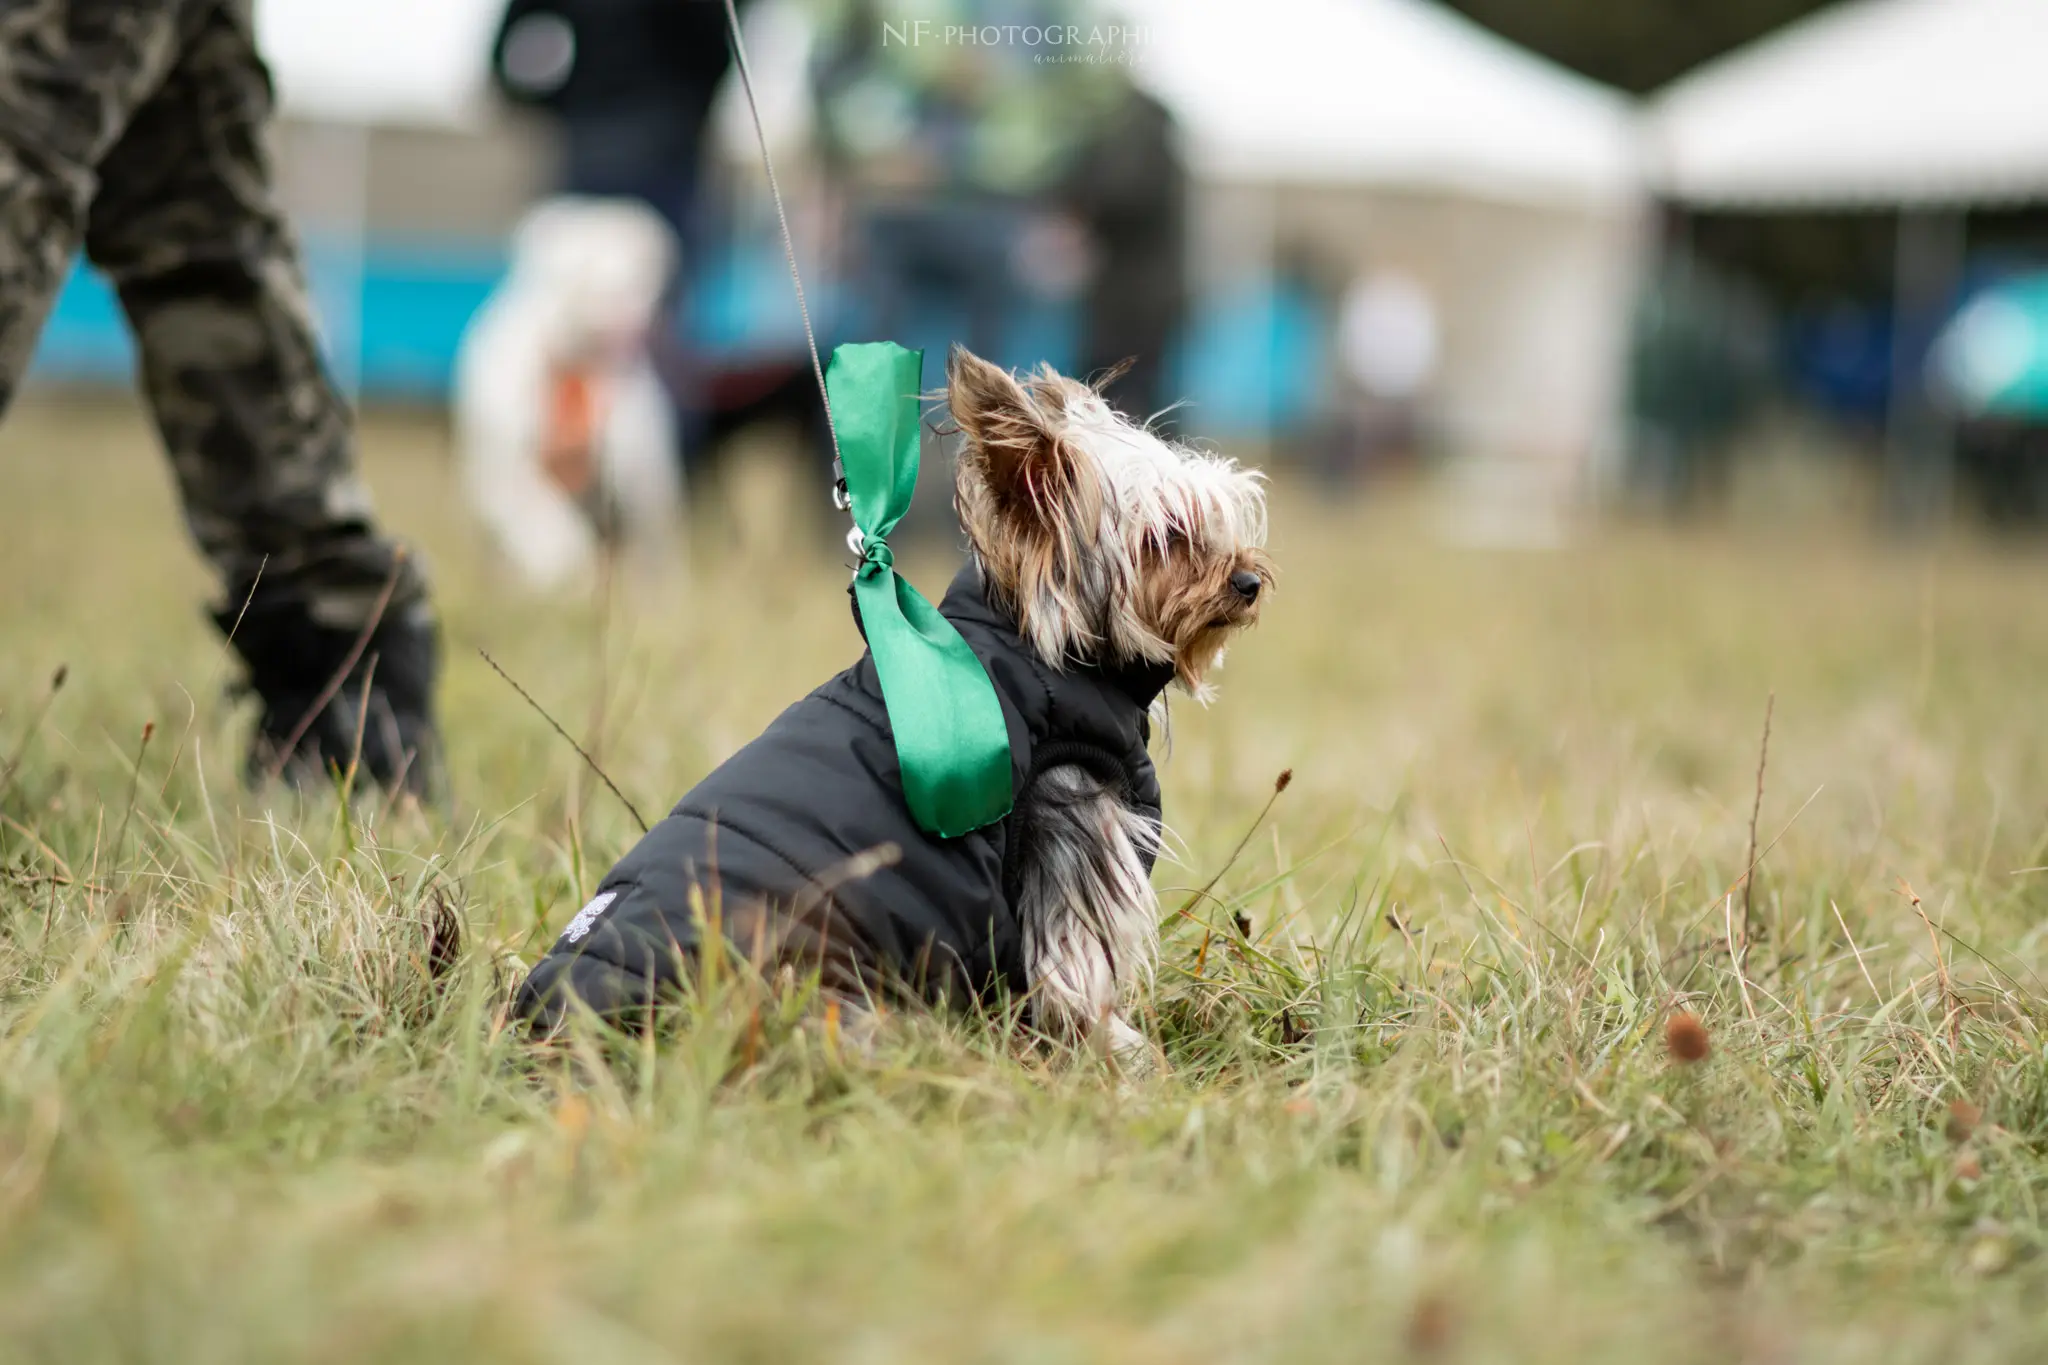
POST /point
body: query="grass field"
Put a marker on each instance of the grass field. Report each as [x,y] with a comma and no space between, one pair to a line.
[1421,1103]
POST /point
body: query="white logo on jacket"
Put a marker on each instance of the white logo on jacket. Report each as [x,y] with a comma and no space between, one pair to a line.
[586,918]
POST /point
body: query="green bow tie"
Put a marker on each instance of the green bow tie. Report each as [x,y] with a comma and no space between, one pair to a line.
[951,741]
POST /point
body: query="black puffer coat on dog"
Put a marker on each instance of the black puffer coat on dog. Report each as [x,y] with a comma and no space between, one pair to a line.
[766,839]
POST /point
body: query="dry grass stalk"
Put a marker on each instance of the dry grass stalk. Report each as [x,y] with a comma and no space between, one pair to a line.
[1763,758]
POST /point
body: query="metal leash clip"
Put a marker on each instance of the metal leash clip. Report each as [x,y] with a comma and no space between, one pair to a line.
[843,500]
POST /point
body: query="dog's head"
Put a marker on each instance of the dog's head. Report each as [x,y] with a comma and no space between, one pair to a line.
[597,268]
[1110,546]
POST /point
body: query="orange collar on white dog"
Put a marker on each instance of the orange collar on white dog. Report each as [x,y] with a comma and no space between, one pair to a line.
[575,415]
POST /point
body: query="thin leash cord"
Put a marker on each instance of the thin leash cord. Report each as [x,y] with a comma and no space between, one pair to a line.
[840,499]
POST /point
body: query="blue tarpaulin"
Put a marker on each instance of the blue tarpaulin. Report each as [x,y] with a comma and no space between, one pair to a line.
[1250,361]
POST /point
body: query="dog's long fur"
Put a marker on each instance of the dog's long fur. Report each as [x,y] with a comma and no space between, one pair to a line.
[1112,548]
[1080,895]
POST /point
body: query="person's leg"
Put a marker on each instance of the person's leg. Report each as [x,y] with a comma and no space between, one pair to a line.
[961,260]
[882,271]
[1135,327]
[74,72]
[986,244]
[911,288]
[1137,392]
[186,228]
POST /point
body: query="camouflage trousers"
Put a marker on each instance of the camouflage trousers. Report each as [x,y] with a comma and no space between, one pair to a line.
[135,128]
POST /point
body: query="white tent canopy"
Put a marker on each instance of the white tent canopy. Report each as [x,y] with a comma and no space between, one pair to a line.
[406,62]
[1875,102]
[1395,137]
[1392,92]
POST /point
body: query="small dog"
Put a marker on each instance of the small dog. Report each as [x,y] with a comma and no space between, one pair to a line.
[565,433]
[1106,566]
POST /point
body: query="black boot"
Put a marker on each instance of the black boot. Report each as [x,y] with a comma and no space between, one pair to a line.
[307,732]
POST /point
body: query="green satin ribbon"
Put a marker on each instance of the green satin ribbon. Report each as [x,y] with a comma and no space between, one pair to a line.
[951,741]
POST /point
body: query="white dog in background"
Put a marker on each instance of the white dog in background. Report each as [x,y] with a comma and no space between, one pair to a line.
[565,433]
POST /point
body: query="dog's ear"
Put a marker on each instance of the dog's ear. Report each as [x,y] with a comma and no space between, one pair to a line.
[1012,434]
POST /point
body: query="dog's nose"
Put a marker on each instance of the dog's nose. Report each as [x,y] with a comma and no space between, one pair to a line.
[1246,583]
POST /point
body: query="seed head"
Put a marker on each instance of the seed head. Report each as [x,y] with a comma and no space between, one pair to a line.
[1963,1118]
[572,1117]
[1431,1326]
[1686,1038]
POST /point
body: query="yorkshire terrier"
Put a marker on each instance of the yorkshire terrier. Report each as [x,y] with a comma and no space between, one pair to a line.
[1107,565]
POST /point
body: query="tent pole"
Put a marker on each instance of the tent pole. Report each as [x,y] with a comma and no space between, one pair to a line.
[1927,265]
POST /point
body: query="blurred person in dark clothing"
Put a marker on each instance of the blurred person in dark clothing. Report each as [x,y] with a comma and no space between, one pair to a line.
[1129,188]
[1699,363]
[137,129]
[949,150]
[947,128]
[630,84]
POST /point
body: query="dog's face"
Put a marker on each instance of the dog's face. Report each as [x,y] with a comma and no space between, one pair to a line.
[599,266]
[1109,545]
